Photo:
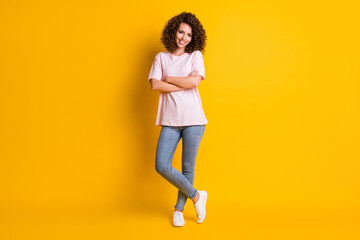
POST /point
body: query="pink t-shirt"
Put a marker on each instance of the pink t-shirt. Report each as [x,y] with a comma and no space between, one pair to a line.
[181,108]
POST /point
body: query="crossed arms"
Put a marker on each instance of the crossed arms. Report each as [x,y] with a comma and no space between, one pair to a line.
[174,84]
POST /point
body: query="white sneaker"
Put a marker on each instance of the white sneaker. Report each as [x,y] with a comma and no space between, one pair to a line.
[178,219]
[200,206]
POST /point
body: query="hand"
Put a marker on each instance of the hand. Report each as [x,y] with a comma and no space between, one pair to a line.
[194,73]
[164,79]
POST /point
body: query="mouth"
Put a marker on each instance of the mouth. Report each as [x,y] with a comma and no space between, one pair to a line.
[182,43]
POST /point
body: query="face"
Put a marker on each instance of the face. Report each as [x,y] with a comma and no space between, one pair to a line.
[183,35]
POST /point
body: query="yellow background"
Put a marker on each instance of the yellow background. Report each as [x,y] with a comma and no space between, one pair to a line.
[279,157]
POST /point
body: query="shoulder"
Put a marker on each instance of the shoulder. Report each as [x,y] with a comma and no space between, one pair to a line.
[197,54]
[157,57]
[161,55]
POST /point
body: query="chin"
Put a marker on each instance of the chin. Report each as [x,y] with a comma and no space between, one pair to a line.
[179,46]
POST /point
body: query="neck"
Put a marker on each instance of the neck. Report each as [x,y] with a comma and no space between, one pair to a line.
[179,51]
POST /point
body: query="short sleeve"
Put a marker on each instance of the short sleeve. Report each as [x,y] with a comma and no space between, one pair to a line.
[198,64]
[156,69]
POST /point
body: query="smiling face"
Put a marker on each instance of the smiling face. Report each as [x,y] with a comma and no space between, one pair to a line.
[183,35]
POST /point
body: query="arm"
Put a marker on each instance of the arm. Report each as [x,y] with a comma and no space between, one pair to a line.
[190,81]
[157,85]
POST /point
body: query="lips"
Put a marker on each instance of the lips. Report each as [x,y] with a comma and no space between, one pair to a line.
[181,42]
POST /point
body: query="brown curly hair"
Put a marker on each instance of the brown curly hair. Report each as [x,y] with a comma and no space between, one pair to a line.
[198,40]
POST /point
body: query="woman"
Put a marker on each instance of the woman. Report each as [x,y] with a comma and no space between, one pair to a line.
[176,74]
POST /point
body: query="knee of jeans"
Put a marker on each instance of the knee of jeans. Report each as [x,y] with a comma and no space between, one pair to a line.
[188,167]
[162,169]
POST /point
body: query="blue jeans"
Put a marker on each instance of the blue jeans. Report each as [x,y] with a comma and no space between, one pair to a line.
[167,143]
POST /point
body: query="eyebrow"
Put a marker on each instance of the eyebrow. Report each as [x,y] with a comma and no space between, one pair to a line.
[183,30]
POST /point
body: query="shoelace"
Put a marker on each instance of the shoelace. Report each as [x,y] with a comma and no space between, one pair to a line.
[179,220]
[178,216]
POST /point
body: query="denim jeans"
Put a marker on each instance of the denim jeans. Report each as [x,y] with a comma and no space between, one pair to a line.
[167,143]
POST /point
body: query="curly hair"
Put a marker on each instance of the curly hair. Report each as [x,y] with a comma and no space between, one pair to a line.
[168,36]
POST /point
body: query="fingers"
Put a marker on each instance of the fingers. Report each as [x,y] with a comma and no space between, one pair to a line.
[193,73]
